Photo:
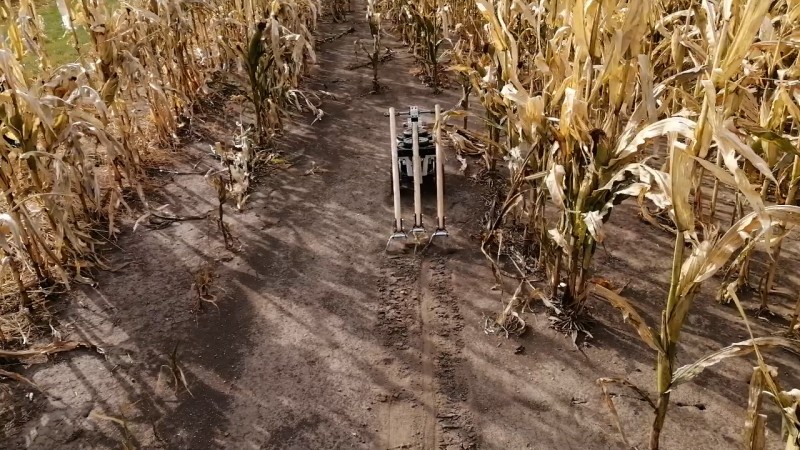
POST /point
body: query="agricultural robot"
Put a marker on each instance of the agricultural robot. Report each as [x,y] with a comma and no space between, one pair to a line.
[417,159]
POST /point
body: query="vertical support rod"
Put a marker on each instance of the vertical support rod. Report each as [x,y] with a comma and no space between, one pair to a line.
[398,220]
[417,174]
[439,171]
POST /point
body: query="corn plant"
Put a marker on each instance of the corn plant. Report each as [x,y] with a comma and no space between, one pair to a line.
[423,25]
[284,36]
[587,171]
[258,68]
[708,256]
[48,179]
[465,55]
[765,224]
[339,9]
[374,20]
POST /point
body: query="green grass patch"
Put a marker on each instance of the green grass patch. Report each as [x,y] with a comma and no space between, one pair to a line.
[59,45]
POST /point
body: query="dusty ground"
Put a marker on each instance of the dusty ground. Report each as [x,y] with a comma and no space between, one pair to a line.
[321,340]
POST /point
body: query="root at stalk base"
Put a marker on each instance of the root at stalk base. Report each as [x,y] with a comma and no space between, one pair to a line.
[575,323]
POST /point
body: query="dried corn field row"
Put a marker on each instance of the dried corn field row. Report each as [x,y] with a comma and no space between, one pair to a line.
[252,305]
[574,93]
[73,135]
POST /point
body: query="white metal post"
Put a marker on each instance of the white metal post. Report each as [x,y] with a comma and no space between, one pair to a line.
[417,173]
[439,173]
[398,218]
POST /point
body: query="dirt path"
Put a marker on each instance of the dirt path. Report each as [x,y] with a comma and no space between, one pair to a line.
[321,340]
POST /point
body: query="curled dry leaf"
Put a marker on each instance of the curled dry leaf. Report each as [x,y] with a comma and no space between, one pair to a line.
[629,314]
[690,371]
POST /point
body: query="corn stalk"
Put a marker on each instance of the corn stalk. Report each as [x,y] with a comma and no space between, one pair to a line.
[374,20]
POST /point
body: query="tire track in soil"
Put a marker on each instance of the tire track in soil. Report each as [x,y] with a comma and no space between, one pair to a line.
[420,326]
[427,317]
[397,288]
[444,329]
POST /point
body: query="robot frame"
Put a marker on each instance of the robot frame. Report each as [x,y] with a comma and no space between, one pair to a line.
[416,155]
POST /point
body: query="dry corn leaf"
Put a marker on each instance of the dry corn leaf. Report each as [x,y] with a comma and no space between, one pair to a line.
[688,372]
[630,314]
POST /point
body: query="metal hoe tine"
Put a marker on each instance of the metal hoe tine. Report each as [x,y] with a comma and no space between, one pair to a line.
[440,229]
[399,233]
[417,172]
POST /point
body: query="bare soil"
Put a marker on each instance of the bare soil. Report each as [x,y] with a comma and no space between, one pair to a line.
[320,339]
